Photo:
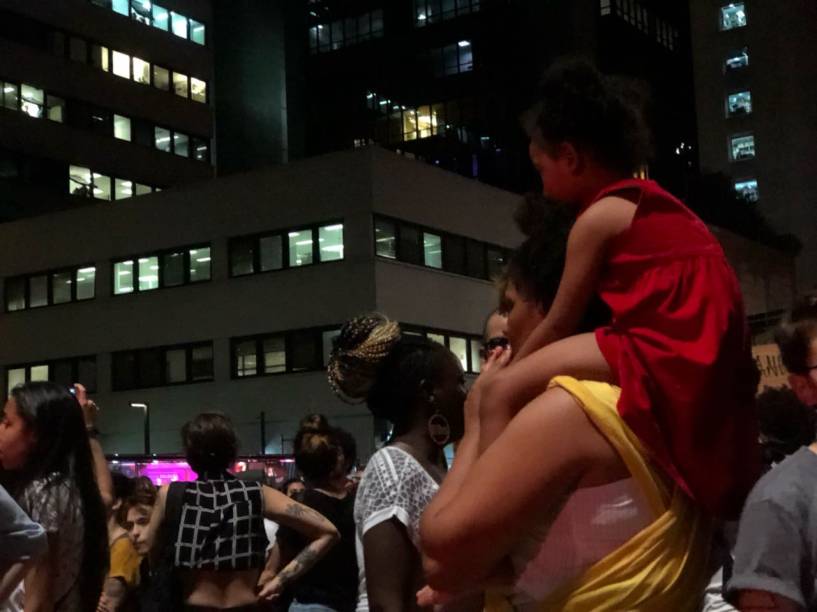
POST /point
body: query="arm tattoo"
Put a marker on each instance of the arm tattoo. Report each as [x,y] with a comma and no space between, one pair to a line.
[301,563]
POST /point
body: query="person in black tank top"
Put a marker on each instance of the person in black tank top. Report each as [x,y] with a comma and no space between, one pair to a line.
[319,455]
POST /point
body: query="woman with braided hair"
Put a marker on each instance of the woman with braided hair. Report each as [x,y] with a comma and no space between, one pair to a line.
[418,386]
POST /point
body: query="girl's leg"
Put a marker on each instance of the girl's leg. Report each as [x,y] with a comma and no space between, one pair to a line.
[510,389]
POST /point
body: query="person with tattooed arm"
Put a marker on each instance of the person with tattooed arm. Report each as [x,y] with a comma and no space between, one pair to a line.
[220,542]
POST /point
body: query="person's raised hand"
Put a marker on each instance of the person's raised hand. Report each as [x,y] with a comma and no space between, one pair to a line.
[89,407]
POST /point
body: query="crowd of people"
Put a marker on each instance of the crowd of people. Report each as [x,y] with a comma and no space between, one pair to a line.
[608,456]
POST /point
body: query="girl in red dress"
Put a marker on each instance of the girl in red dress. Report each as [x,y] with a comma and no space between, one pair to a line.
[678,344]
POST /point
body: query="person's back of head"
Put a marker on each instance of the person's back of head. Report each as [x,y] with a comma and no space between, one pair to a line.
[797,339]
[210,443]
[605,116]
[62,453]
[373,361]
[317,450]
[535,267]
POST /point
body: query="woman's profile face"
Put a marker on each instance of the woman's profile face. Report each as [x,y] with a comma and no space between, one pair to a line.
[450,395]
[16,438]
[523,315]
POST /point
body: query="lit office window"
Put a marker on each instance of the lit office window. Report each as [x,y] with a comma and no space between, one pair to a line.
[178,24]
[15,376]
[38,291]
[121,64]
[86,283]
[475,346]
[10,95]
[181,144]
[122,189]
[79,181]
[748,189]
[122,7]
[61,287]
[123,277]
[453,59]
[198,90]
[100,57]
[605,7]
[385,239]
[180,86]
[733,16]
[275,356]
[38,373]
[432,250]
[197,32]
[742,147]
[270,253]
[199,264]
[459,346]
[330,242]
[33,101]
[141,71]
[200,149]
[15,294]
[245,355]
[161,139]
[121,127]
[161,78]
[148,273]
[102,186]
[737,60]
[55,108]
[161,18]
[140,11]
[739,103]
[140,189]
[433,11]
[300,248]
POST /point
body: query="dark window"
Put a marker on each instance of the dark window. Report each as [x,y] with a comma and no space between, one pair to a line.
[496,262]
[172,269]
[410,246]
[271,255]
[475,259]
[15,294]
[454,254]
[150,367]
[305,351]
[385,238]
[123,370]
[242,256]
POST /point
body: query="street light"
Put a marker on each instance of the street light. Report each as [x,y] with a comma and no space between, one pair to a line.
[144,406]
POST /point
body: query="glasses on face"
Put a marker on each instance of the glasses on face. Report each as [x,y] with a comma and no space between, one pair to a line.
[493,343]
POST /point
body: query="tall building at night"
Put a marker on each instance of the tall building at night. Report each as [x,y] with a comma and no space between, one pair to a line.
[446,80]
[755,83]
[102,100]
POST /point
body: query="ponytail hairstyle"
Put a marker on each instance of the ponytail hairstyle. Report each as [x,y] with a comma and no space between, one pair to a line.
[373,362]
[317,451]
[603,115]
[62,457]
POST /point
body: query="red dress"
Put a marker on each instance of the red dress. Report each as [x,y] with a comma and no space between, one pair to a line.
[680,348]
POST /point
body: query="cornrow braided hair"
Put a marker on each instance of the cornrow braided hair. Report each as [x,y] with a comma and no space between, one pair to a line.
[362,345]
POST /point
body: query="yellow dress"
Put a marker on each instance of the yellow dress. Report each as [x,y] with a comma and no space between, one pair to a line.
[661,569]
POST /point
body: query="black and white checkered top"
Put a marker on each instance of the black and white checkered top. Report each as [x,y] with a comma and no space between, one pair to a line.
[221,525]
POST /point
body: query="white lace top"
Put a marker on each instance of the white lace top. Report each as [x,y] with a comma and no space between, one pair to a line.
[394,485]
[58,508]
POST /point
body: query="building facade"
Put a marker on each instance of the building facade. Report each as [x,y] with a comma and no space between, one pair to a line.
[102,100]
[757,122]
[446,81]
[225,295]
